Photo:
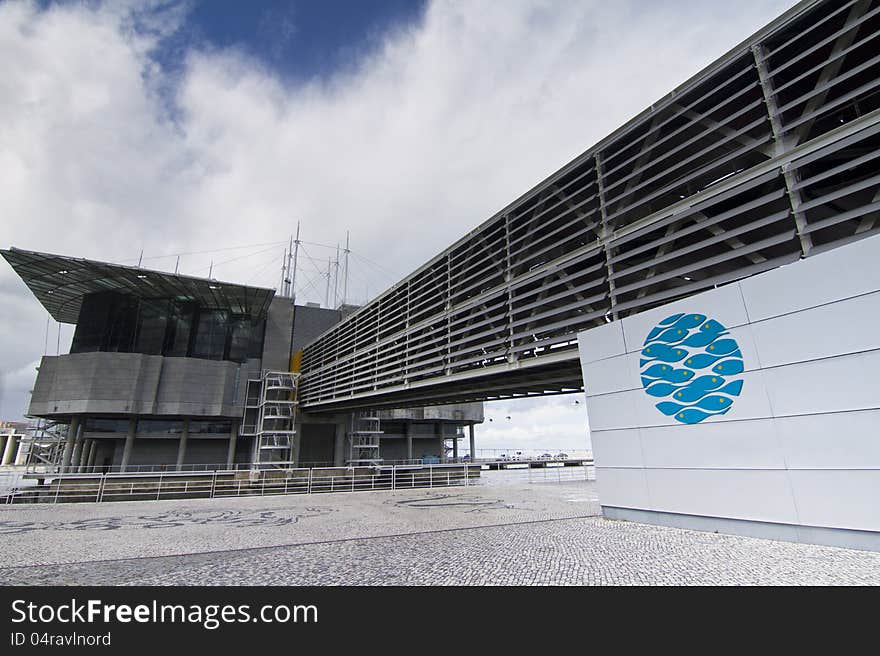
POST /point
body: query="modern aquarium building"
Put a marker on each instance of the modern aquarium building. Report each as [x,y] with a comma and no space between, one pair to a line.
[174,371]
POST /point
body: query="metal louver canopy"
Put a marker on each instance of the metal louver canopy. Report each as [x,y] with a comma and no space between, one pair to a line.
[59,282]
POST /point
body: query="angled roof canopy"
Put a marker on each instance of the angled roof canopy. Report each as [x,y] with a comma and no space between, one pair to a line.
[60,282]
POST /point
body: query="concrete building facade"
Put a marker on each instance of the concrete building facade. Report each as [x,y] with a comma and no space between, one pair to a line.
[160,365]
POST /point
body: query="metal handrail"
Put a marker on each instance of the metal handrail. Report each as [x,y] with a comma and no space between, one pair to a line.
[179,485]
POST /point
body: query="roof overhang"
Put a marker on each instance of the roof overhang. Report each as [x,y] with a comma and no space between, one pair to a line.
[60,282]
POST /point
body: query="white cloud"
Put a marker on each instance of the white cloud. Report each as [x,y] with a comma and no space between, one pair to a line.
[412,146]
[552,424]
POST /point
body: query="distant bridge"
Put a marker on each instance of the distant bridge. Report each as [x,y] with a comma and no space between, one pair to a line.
[767,156]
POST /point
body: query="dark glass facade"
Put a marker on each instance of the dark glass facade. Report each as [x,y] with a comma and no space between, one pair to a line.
[160,427]
[116,322]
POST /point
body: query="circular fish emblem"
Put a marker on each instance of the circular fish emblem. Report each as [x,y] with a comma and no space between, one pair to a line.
[691,367]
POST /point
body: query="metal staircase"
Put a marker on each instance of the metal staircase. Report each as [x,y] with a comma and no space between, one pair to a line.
[364,435]
[270,418]
[43,448]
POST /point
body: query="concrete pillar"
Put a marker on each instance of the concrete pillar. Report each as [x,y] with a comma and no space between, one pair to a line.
[10,449]
[77,450]
[438,431]
[19,453]
[3,439]
[297,443]
[84,455]
[455,446]
[68,445]
[473,448]
[233,439]
[181,448]
[339,455]
[93,452]
[409,439]
[129,443]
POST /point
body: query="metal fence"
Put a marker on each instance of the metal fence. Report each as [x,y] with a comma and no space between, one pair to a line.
[484,456]
[73,488]
[232,483]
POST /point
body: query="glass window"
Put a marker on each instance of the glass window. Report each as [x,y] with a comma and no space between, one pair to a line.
[113,321]
[91,327]
[240,340]
[159,427]
[123,321]
[210,341]
[106,425]
[152,323]
[106,323]
[180,329]
[202,427]
[255,349]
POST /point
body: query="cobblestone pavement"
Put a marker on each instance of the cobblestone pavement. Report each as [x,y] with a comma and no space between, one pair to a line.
[489,535]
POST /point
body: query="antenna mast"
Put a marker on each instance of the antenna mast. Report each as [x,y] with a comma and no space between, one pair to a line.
[283,276]
[292,276]
[287,280]
[327,294]
[336,278]
[345,269]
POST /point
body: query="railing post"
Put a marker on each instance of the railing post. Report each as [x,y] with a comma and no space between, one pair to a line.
[430,477]
[58,487]
[101,488]
[213,484]
[393,477]
[159,488]
[309,489]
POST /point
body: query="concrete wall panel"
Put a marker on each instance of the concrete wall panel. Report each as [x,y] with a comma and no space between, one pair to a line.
[828,330]
[760,495]
[799,448]
[618,448]
[835,275]
[749,444]
[607,342]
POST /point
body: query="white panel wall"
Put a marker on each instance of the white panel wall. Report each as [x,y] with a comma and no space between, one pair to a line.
[800,445]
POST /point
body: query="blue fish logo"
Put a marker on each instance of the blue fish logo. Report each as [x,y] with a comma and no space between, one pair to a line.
[690,365]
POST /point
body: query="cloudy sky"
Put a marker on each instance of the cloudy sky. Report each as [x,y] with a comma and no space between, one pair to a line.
[208,129]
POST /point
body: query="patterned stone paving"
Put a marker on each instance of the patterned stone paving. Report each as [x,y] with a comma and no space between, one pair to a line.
[499,534]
